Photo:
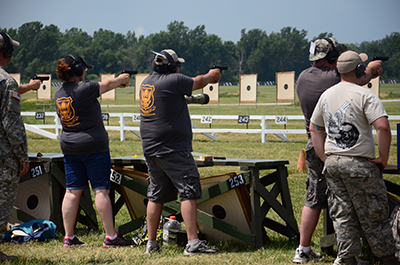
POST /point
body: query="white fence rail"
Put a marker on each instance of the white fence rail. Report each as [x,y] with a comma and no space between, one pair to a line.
[264,129]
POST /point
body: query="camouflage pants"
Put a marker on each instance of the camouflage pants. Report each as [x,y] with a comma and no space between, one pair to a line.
[357,201]
[9,180]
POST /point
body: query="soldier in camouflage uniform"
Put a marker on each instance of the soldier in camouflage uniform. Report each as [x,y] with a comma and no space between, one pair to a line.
[13,143]
[357,197]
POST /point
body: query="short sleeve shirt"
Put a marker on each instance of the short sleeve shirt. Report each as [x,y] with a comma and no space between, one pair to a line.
[347,111]
[165,124]
[80,113]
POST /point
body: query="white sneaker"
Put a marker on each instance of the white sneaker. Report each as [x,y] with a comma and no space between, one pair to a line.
[305,257]
[360,261]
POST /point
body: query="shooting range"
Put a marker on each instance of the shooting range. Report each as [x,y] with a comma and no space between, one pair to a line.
[248,88]
[17,77]
[44,91]
[212,90]
[285,86]
[138,82]
[110,95]
[373,85]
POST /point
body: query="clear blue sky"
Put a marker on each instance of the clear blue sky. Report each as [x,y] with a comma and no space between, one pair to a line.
[350,21]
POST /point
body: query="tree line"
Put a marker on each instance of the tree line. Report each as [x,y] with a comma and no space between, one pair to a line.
[255,53]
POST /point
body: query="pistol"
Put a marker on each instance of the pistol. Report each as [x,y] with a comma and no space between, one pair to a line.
[130,72]
[382,58]
[41,78]
[220,67]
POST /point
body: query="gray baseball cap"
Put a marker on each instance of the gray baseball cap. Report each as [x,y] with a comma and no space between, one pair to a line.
[322,47]
[349,60]
[13,42]
[161,59]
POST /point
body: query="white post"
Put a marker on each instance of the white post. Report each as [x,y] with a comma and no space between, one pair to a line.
[263,136]
[122,126]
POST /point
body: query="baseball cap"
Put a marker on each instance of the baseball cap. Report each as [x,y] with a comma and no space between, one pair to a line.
[161,58]
[74,60]
[13,42]
[320,48]
[349,60]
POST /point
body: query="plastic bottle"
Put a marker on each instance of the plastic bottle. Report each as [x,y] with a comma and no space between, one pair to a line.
[172,223]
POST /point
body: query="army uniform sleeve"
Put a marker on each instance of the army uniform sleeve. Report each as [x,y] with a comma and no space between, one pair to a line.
[12,122]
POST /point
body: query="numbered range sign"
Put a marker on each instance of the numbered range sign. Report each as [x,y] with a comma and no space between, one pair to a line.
[280,119]
[40,115]
[136,117]
[243,119]
[236,181]
[105,116]
[37,171]
[116,177]
[206,119]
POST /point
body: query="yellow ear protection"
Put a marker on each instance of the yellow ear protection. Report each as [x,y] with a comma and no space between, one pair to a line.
[172,65]
[8,48]
[76,67]
[333,54]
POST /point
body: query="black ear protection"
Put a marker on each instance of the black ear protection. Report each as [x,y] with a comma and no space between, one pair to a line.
[7,46]
[172,65]
[76,67]
[332,55]
[360,70]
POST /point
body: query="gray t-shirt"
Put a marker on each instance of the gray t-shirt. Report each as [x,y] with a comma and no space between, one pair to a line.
[165,124]
[80,114]
[311,83]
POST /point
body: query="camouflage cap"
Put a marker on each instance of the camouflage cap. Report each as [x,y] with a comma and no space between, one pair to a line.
[322,47]
[12,42]
[162,57]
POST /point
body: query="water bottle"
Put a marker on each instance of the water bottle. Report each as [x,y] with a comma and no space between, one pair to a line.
[172,223]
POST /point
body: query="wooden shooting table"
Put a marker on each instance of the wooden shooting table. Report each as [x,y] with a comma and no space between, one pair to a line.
[262,200]
[327,241]
[51,166]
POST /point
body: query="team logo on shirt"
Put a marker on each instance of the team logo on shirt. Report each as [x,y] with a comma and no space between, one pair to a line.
[66,112]
[344,133]
[147,106]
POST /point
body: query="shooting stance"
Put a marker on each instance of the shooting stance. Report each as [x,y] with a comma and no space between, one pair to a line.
[357,197]
[84,143]
[166,133]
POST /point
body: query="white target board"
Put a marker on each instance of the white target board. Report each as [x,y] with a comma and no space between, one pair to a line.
[248,88]
[44,91]
[110,95]
[138,82]
[373,85]
[212,90]
[33,197]
[17,77]
[285,86]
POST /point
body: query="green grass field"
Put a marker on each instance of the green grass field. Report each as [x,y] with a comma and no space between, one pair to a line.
[280,250]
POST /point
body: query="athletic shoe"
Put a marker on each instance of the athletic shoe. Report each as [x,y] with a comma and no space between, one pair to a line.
[199,248]
[151,249]
[360,261]
[305,257]
[73,242]
[119,241]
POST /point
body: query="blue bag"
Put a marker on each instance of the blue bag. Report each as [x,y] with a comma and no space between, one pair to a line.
[35,230]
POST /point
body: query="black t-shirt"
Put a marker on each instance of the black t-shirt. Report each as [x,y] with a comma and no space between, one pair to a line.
[165,124]
[80,113]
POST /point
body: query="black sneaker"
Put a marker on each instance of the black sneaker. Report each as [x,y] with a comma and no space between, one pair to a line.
[73,242]
[119,241]
[151,249]
[199,248]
